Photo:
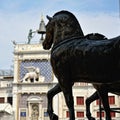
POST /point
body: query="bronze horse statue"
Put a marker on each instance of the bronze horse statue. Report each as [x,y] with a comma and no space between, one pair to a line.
[75,58]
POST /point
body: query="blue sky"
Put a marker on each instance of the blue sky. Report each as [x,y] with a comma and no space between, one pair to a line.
[18,16]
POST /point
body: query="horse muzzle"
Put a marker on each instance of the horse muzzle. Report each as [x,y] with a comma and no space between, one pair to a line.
[46,46]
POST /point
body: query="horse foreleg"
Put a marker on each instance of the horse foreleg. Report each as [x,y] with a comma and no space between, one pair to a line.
[51,93]
[104,97]
[89,100]
[69,101]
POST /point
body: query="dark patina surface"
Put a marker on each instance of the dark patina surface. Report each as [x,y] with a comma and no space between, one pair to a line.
[79,58]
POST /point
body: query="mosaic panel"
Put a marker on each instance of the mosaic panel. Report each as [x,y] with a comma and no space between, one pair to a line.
[43,65]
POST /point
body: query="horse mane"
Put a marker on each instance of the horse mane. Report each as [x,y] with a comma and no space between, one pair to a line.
[66,12]
[74,26]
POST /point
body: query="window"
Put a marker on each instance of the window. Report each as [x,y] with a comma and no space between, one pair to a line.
[111,100]
[2,100]
[80,114]
[45,114]
[67,114]
[98,102]
[80,101]
[9,100]
[112,114]
[102,114]
[83,84]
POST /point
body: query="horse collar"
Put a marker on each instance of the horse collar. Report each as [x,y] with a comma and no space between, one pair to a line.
[65,41]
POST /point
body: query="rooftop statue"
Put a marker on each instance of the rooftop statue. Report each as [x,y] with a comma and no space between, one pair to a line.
[79,58]
[30,36]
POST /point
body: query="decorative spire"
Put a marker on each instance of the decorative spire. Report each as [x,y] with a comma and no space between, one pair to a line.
[42,28]
[42,17]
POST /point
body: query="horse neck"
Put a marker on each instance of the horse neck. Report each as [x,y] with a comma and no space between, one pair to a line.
[64,32]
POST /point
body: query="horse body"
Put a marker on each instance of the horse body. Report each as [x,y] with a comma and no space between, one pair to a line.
[74,58]
[98,61]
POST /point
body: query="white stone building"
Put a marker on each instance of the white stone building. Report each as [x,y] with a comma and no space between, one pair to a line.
[6,99]
[27,94]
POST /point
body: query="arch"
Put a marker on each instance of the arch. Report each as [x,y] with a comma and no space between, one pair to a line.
[34,99]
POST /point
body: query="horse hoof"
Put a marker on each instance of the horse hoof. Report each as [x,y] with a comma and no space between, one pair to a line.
[54,117]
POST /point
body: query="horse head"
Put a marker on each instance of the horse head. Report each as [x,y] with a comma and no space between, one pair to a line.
[49,34]
[63,25]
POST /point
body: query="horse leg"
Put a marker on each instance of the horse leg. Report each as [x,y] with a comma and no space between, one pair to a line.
[104,97]
[89,100]
[51,93]
[67,91]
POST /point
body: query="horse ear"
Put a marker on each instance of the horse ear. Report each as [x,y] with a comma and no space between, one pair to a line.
[49,18]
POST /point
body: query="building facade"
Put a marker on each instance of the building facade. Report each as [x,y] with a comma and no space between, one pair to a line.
[6,98]
[33,77]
